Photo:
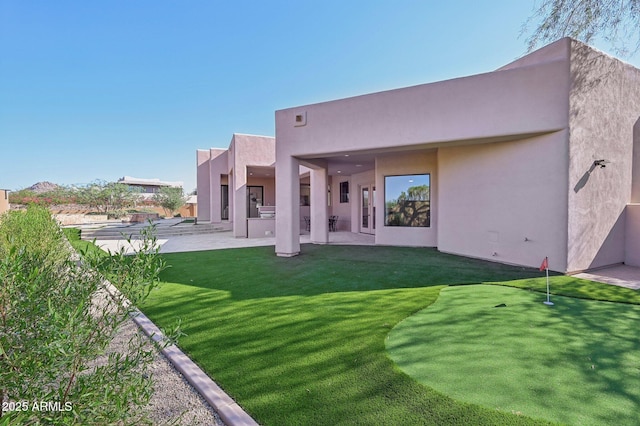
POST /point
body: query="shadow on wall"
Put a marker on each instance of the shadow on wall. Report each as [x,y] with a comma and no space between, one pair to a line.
[585,177]
[635,165]
[602,70]
[612,249]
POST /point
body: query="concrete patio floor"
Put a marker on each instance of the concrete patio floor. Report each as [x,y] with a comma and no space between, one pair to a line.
[225,240]
[621,275]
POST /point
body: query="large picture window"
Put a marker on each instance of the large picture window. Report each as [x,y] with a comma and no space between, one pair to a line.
[407,200]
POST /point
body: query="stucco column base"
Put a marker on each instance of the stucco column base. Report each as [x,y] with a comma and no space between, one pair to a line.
[287,254]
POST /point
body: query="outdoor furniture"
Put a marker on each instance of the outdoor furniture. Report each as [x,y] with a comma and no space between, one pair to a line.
[333,220]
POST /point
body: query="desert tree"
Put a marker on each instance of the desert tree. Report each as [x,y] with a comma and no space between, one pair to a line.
[107,197]
[170,199]
[617,22]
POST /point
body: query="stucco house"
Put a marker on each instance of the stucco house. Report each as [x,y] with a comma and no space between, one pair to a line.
[148,187]
[538,158]
[237,184]
[4,200]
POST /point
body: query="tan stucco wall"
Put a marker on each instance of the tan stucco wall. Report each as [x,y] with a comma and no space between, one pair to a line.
[604,108]
[204,183]
[4,200]
[635,172]
[218,168]
[516,103]
[505,201]
[632,241]
[408,163]
[288,220]
[556,51]
[342,210]
[229,167]
[244,151]
[514,177]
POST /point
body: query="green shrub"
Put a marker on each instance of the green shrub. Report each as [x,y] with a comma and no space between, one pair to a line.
[72,234]
[56,320]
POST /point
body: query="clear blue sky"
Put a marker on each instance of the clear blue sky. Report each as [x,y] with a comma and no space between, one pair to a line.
[101,89]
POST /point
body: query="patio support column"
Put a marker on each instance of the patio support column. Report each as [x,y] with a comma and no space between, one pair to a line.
[319,208]
[287,206]
[232,195]
[240,202]
[214,205]
[203,161]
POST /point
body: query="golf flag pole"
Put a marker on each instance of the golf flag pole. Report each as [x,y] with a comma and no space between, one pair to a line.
[545,267]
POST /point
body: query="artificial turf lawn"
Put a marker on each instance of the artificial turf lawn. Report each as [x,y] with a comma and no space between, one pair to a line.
[577,362]
[83,247]
[299,341]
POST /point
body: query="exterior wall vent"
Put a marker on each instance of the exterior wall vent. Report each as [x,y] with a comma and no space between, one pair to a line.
[301,119]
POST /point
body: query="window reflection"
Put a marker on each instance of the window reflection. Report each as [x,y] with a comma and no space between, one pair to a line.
[407,200]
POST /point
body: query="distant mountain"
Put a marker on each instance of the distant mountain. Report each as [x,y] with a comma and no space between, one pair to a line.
[41,187]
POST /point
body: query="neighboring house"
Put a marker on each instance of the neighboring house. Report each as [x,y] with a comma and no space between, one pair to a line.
[538,158]
[234,184]
[4,200]
[190,208]
[148,187]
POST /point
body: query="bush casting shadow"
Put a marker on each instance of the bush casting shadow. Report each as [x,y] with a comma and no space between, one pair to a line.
[575,363]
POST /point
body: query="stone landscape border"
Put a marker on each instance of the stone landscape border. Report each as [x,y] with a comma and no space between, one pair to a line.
[228,410]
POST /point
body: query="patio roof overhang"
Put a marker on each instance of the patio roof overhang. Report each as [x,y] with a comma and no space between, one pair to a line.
[346,163]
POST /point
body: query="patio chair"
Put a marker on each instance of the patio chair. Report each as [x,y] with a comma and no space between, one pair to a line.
[333,220]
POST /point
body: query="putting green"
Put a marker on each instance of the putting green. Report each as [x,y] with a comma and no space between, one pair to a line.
[577,362]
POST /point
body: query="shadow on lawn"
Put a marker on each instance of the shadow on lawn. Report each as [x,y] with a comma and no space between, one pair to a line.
[575,363]
[301,340]
[312,360]
[257,272]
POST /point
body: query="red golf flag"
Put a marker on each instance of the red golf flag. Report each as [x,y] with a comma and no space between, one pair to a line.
[545,264]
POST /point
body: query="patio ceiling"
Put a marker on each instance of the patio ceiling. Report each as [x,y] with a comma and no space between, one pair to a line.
[339,165]
[261,172]
[349,164]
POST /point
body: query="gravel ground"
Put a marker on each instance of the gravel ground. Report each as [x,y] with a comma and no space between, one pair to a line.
[174,399]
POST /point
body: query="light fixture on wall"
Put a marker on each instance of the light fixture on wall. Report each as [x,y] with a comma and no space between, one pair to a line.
[602,163]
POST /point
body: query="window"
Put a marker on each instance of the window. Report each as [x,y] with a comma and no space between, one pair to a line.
[344,192]
[305,195]
[224,202]
[255,195]
[407,200]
